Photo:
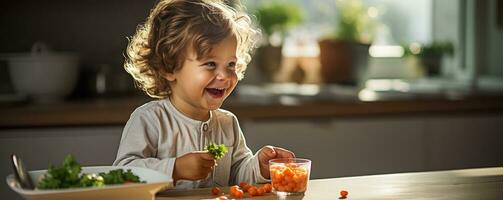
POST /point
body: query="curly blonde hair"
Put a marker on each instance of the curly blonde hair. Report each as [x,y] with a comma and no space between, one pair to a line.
[160,44]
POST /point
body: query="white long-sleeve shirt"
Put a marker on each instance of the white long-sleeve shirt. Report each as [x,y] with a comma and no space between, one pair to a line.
[157,133]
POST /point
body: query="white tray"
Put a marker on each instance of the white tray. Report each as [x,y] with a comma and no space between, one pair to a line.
[155,182]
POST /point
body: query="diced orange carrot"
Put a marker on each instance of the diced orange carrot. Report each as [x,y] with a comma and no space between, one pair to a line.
[288,172]
[267,187]
[278,179]
[236,192]
[243,184]
[288,178]
[233,189]
[252,191]
[344,193]
[292,184]
[260,191]
[246,188]
[239,193]
[215,191]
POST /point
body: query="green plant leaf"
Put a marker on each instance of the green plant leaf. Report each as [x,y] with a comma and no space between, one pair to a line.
[279,17]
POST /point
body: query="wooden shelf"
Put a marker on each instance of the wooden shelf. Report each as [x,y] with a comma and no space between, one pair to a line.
[116,111]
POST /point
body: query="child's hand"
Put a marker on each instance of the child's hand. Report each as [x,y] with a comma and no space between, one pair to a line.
[193,166]
[269,152]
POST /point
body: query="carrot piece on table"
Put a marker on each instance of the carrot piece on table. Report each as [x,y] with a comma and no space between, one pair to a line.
[236,192]
[253,191]
[233,189]
[267,187]
[239,194]
[260,191]
[243,184]
[344,194]
[215,191]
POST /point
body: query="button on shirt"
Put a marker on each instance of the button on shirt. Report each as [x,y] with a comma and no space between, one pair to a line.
[157,133]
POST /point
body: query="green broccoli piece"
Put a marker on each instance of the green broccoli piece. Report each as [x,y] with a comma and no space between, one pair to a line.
[118,176]
[91,180]
[68,176]
[218,151]
[64,176]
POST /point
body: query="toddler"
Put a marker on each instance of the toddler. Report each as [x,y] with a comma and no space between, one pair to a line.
[190,54]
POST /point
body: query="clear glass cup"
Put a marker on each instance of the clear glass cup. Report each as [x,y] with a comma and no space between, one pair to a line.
[289,176]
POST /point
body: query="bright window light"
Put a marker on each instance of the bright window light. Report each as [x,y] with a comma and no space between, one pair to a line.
[386,51]
[387,85]
[367,95]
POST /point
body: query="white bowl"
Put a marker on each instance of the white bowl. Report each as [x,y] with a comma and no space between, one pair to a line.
[155,182]
[43,75]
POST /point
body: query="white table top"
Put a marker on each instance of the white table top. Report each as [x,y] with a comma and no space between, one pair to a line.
[469,184]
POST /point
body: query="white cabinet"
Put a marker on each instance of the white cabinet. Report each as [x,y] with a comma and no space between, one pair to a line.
[346,147]
[464,142]
[360,146]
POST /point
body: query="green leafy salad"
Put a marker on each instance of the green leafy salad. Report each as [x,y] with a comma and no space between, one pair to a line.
[218,151]
[68,176]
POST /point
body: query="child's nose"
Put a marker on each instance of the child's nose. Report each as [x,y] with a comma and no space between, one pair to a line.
[223,74]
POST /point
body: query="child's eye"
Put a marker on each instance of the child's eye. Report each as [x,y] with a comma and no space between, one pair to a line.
[232,65]
[211,65]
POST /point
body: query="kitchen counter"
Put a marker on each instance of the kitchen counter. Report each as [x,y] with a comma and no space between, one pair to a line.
[481,183]
[116,111]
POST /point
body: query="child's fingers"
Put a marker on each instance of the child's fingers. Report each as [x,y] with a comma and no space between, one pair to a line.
[283,153]
[269,151]
[204,155]
[208,163]
[207,160]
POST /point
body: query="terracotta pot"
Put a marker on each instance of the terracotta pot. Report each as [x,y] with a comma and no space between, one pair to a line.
[343,62]
[268,60]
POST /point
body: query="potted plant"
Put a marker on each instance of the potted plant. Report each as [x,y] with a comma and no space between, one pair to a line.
[430,55]
[344,54]
[275,19]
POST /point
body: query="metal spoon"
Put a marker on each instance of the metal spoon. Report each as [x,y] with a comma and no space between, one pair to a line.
[21,174]
[215,183]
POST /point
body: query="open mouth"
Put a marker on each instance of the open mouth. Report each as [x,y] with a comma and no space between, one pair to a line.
[216,92]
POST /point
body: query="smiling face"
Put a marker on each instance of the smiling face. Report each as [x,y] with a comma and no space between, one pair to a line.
[202,85]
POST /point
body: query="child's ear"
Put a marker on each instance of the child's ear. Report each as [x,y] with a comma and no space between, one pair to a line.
[169,76]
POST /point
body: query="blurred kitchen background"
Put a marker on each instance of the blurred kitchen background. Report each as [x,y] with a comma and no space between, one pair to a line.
[360,87]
